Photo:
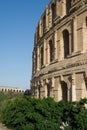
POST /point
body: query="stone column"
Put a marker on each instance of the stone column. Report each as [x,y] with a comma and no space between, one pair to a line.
[45,90]
[37,92]
[35,37]
[61,46]
[45,87]
[57,8]
[34,62]
[38,58]
[74,34]
[50,17]
[73,88]
[45,53]
[32,89]
[47,19]
[51,84]
[63,7]
[39,89]
[59,89]
[55,45]
[84,36]
[40,28]
[48,53]
[70,43]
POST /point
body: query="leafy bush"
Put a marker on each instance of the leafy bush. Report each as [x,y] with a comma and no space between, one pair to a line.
[27,113]
[32,114]
[4,97]
[76,114]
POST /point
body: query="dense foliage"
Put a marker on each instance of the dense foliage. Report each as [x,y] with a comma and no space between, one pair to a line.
[27,113]
[5,97]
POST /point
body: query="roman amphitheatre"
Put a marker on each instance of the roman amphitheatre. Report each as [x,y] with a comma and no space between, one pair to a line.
[60,51]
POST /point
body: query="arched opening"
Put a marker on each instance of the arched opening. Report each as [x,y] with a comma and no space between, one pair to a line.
[51,48]
[64,91]
[53,6]
[68,6]
[44,23]
[86,21]
[66,43]
[39,91]
[48,90]
[38,31]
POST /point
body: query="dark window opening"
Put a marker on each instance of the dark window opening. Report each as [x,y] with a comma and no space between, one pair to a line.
[51,47]
[44,22]
[36,62]
[38,31]
[48,90]
[39,89]
[68,6]
[53,11]
[42,57]
[66,43]
[64,91]
[86,21]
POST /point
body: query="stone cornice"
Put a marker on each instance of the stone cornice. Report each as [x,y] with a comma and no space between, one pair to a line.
[70,64]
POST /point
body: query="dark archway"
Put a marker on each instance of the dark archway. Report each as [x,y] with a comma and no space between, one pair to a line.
[42,56]
[66,43]
[68,6]
[39,91]
[64,91]
[51,48]
[53,6]
[48,90]
[44,23]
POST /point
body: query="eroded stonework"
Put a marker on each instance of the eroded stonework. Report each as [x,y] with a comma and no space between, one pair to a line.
[60,51]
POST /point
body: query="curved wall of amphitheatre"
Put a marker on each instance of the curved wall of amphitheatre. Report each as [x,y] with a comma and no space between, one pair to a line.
[60,51]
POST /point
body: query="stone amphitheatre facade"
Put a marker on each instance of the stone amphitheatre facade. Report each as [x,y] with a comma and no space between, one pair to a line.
[60,51]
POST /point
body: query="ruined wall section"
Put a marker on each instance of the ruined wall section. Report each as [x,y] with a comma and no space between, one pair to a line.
[60,51]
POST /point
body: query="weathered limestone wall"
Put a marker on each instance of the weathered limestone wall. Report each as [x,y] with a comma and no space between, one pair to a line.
[60,52]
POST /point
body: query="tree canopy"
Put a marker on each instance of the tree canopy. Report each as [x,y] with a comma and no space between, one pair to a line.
[27,113]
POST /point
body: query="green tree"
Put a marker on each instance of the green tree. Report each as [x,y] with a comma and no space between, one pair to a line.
[75,114]
[4,98]
[27,113]
[32,114]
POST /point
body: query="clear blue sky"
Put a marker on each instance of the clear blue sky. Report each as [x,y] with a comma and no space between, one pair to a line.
[18,20]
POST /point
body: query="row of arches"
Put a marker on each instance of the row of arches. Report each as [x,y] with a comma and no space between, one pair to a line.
[11,90]
[48,89]
[65,37]
[56,9]
[46,52]
[51,52]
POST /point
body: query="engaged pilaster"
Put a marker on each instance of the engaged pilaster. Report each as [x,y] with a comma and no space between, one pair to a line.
[56,45]
[45,52]
[47,19]
[74,34]
[38,58]
[50,17]
[63,7]
[73,88]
